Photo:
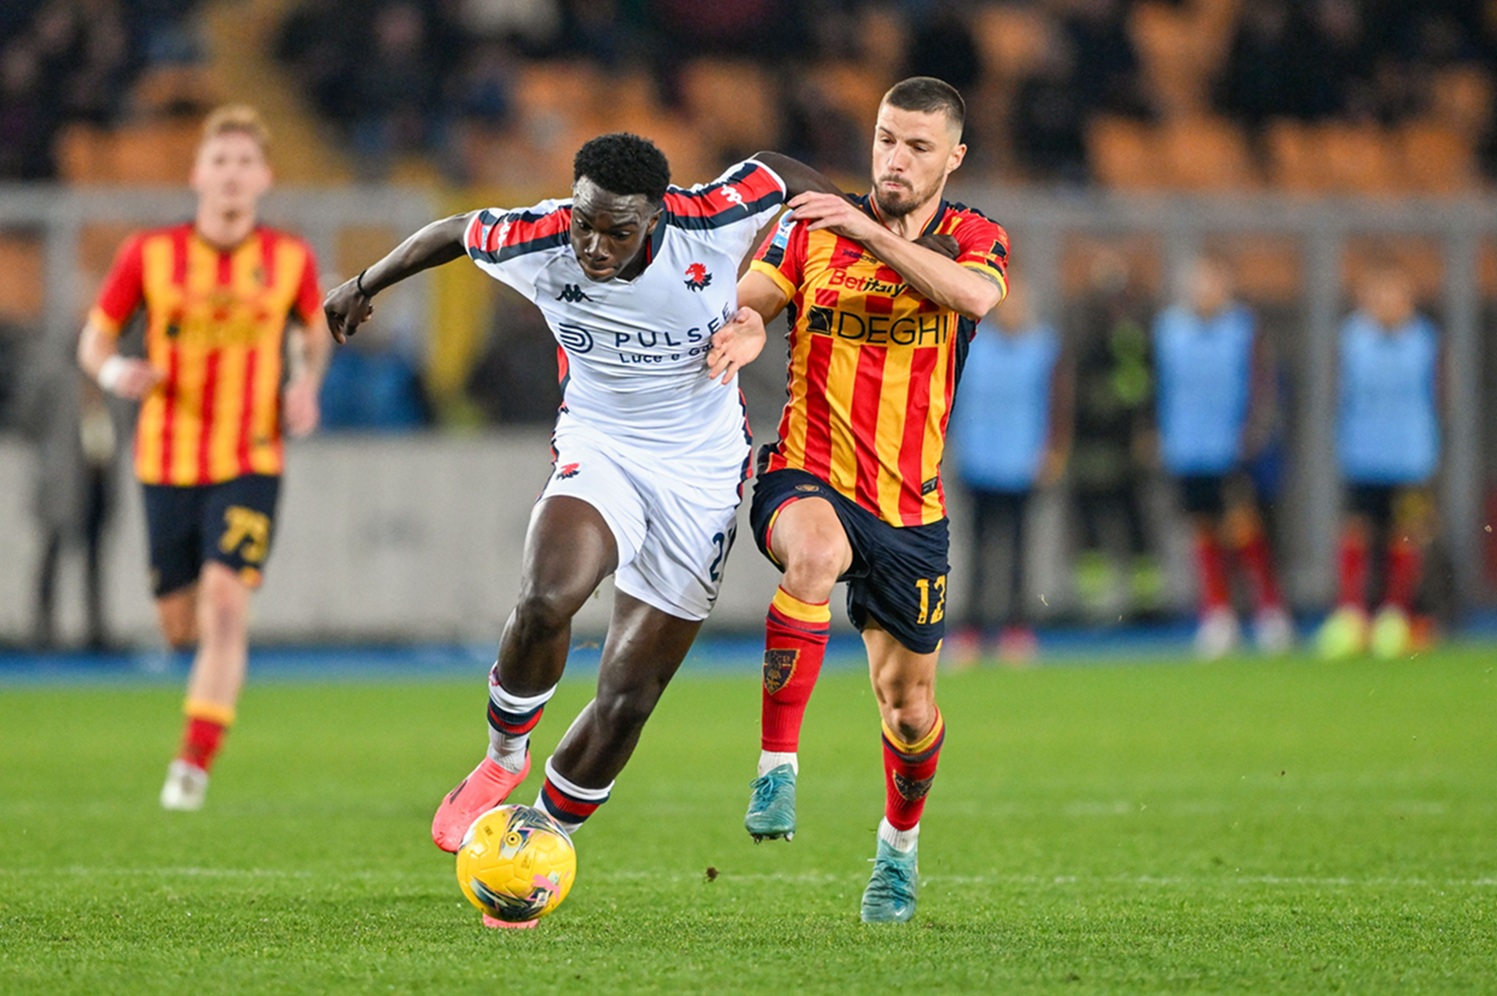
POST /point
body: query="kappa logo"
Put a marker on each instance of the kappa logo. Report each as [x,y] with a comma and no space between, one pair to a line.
[913,789]
[697,277]
[732,195]
[567,470]
[572,294]
[779,665]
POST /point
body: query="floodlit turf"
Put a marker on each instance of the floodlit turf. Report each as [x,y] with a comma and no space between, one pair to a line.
[1246,826]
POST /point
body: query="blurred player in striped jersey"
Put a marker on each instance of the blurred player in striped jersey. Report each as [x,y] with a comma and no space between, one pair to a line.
[852,491]
[636,278]
[224,297]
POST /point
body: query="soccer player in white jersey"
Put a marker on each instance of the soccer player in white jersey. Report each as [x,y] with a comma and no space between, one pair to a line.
[634,277]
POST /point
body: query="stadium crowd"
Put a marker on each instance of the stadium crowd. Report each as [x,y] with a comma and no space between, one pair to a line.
[425,76]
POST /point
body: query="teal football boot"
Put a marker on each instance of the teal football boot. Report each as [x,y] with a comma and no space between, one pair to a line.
[890,896]
[771,811]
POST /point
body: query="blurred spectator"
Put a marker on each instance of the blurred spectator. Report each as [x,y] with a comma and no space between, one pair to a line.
[84,51]
[514,382]
[1215,406]
[69,425]
[29,117]
[1269,67]
[395,91]
[1113,445]
[1106,68]
[1010,434]
[1388,450]
[818,132]
[941,44]
[1048,120]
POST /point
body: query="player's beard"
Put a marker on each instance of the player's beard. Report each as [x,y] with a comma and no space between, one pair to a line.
[898,204]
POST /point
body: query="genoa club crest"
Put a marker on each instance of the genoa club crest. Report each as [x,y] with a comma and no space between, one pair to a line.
[697,277]
[779,665]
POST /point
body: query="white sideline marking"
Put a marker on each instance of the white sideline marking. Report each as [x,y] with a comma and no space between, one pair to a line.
[1483,882]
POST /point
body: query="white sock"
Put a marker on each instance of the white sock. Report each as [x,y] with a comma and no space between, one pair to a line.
[506,750]
[903,841]
[771,759]
[567,787]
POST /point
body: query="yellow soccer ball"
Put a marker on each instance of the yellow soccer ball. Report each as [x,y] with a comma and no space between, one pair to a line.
[516,863]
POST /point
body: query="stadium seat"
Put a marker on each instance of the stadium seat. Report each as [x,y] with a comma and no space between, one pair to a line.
[733,102]
[1435,158]
[158,151]
[1012,39]
[572,91]
[1177,56]
[883,39]
[1266,268]
[1206,153]
[1295,162]
[174,88]
[1359,158]
[853,89]
[22,287]
[85,154]
[1123,154]
[1461,98]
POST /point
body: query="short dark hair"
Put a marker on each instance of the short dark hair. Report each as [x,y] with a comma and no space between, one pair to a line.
[927,94]
[624,164]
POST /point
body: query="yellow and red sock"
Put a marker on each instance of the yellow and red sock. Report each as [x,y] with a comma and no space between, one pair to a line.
[203,732]
[795,637]
[909,769]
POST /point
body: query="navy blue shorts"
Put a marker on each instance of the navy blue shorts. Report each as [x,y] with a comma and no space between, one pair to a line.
[1203,494]
[230,522]
[898,573]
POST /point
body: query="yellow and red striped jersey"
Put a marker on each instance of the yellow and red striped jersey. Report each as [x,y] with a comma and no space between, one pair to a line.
[873,364]
[215,327]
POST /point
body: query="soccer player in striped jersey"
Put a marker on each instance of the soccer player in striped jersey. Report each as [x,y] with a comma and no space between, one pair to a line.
[235,351]
[851,491]
[636,279]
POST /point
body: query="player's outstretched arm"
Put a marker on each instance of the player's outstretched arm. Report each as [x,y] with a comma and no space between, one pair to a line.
[799,178]
[347,306]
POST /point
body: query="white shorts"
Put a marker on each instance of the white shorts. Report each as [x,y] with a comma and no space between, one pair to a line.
[673,519]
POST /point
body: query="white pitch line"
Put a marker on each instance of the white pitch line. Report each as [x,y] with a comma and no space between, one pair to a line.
[809,878]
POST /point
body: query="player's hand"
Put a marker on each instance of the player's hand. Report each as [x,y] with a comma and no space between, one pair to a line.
[835,213]
[736,345]
[128,377]
[945,245]
[346,308]
[302,412]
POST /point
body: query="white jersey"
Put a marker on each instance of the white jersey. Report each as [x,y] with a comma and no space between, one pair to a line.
[633,352]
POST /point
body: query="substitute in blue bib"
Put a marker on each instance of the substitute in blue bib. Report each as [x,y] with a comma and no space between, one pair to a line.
[1215,408]
[1387,449]
[1010,433]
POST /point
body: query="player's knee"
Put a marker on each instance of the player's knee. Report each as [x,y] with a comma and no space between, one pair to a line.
[812,569]
[540,614]
[222,613]
[180,634]
[623,711]
[912,721]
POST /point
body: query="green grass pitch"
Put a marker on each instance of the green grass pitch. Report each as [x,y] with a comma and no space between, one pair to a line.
[1246,826]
